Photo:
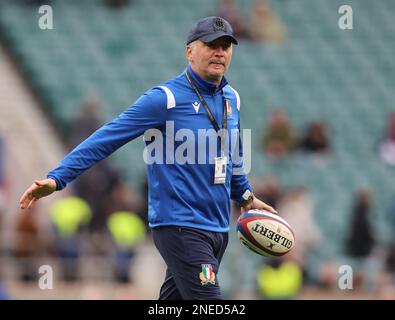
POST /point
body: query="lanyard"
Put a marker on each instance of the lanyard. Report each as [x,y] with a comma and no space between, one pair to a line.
[209,113]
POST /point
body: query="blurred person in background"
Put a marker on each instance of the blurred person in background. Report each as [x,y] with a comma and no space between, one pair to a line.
[268,189]
[279,278]
[3,291]
[124,198]
[265,188]
[189,203]
[279,138]
[316,140]
[28,245]
[96,187]
[361,240]
[387,145]
[85,121]
[282,277]
[127,231]
[37,2]
[118,4]
[387,285]
[125,228]
[296,207]
[2,178]
[68,216]
[143,210]
[387,290]
[265,25]
[229,10]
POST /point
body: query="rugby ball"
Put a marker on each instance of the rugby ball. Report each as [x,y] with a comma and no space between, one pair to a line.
[265,233]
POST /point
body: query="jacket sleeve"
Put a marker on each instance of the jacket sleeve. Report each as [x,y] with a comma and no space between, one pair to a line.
[149,111]
[239,182]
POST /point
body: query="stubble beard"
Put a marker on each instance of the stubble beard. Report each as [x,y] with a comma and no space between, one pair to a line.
[215,77]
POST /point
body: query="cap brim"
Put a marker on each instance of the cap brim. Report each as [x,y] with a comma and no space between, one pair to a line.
[215,36]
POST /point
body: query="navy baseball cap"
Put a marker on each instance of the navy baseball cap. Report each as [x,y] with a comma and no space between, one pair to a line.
[210,28]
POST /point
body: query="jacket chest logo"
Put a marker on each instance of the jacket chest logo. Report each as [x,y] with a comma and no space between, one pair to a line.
[196,106]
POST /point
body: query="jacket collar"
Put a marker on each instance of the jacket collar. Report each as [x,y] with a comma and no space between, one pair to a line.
[206,86]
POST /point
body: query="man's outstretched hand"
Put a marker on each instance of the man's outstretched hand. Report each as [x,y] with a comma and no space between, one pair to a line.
[39,189]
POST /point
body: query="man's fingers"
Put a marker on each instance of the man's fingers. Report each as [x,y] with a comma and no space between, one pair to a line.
[28,196]
[25,199]
[39,189]
[271,209]
[31,203]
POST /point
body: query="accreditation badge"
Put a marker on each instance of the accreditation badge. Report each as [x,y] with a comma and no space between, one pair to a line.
[220,170]
[228,108]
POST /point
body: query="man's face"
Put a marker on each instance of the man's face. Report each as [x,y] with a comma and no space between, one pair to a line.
[210,60]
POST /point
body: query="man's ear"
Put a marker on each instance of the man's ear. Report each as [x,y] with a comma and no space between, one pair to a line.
[188,53]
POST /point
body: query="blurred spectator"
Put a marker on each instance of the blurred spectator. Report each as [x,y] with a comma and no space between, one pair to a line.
[296,207]
[28,245]
[3,190]
[85,122]
[279,279]
[265,25]
[2,161]
[361,240]
[123,198]
[68,216]
[143,212]
[230,12]
[96,186]
[265,188]
[387,145]
[390,259]
[316,141]
[268,190]
[392,217]
[3,292]
[328,275]
[118,4]
[127,230]
[37,2]
[279,137]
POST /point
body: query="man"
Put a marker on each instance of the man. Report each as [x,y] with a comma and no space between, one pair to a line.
[189,203]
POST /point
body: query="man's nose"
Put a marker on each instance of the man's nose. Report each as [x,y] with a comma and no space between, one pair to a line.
[219,51]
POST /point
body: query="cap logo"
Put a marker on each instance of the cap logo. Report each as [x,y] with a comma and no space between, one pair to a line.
[219,25]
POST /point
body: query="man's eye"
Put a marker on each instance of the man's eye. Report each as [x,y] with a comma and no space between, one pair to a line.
[215,46]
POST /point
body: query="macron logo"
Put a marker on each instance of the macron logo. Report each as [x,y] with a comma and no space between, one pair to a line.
[196,106]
